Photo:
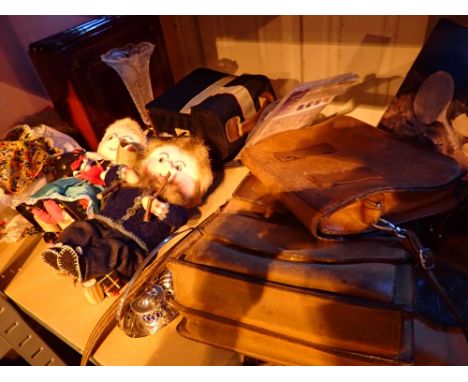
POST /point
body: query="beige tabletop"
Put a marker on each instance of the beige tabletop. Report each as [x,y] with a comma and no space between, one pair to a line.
[12,257]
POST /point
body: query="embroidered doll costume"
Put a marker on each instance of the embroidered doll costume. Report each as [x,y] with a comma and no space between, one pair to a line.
[118,238]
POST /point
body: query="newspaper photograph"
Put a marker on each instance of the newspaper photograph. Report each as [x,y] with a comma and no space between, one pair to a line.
[301,106]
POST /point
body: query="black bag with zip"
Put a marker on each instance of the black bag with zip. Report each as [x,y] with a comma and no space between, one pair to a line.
[221,108]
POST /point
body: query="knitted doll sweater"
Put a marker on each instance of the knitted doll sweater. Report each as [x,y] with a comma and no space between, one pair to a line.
[121,202]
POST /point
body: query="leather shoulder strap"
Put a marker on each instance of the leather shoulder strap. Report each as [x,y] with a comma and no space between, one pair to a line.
[424,258]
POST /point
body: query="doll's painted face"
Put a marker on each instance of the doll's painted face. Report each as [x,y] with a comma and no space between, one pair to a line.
[183,168]
[121,131]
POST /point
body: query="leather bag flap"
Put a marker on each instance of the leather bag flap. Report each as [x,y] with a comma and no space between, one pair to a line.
[318,170]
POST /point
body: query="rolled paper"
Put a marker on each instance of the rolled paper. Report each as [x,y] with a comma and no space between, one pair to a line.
[147,216]
[109,189]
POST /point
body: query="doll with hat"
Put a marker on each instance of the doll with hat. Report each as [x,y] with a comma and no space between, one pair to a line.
[149,203]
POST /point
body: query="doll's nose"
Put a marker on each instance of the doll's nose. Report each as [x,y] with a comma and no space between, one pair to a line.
[167,167]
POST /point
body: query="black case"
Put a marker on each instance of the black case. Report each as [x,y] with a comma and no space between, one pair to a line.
[219,118]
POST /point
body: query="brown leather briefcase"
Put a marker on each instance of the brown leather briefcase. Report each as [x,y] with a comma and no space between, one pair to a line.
[341,176]
[254,280]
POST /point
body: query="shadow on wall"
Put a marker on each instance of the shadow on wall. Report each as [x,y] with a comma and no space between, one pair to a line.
[294,49]
[16,69]
[17,33]
[21,90]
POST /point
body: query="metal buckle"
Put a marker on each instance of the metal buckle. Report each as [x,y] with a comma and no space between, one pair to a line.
[426,259]
[424,254]
[386,226]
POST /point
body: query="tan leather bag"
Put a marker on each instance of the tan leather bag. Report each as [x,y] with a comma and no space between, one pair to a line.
[341,176]
[252,279]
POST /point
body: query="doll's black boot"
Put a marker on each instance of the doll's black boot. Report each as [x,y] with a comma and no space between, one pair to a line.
[50,256]
[69,262]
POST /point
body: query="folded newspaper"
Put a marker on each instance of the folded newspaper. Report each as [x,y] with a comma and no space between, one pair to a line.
[301,106]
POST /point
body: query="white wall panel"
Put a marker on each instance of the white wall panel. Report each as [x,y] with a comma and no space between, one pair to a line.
[295,49]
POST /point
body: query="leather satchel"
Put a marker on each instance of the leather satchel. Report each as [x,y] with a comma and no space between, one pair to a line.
[221,108]
[252,279]
[342,176]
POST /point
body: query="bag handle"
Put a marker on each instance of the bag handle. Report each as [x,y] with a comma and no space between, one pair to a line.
[423,257]
[140,269]
[211,90]
[108,320]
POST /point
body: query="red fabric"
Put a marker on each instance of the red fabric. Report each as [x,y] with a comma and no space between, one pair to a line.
[76,164]
[92,175]
[80,118]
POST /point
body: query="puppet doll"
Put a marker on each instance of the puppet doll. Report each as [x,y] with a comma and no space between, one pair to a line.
[86,183]
[120,236]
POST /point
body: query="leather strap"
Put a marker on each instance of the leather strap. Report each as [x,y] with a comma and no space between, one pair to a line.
[240,92]
[244,99]
[424,258]
[236,129]
[213,89]
[142,276]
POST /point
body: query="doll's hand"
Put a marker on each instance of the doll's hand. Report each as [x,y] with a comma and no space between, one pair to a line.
[129,176]
[158,208]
